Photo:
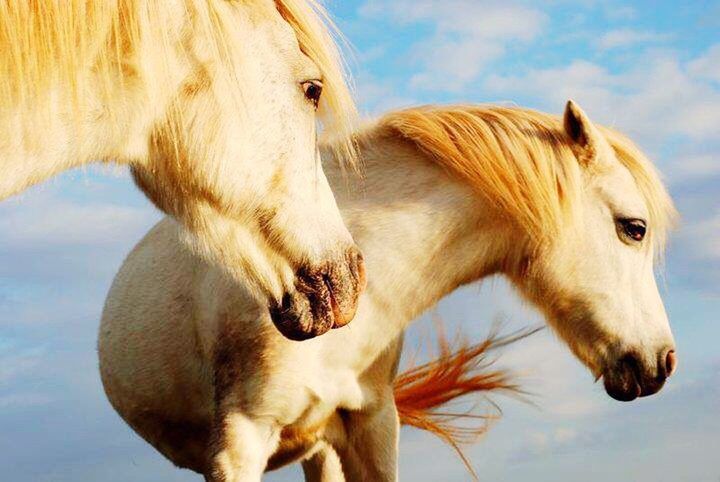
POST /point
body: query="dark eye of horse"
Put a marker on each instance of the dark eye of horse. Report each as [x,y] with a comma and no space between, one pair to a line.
[633,229]
[313,91]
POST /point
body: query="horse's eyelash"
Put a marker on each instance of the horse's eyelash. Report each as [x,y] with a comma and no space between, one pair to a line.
[626,219]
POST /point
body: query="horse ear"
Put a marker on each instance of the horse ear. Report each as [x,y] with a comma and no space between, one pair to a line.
[587,140]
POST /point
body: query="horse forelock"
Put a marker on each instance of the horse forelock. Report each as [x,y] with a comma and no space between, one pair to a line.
[522,162]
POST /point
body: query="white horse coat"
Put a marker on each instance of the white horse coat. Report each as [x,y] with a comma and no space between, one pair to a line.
[571,213]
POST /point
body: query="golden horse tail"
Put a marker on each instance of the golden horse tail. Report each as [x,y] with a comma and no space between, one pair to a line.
[423,392]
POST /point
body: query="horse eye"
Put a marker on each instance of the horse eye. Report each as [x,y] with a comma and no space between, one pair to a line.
[313,91]
[633,229]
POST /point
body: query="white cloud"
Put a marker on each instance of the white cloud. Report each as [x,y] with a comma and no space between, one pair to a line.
[15,363]
[481,18]
[656,98]
[708,65]
[379,95]
[451,64]
[628,37]
[24,400]
[557,382]
[564,435]
[44,218]
[583,80]
[694,166]
[468,35]
[701,238]
[547,442]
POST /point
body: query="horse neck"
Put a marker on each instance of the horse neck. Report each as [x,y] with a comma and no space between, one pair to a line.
[103,118]
[422,232]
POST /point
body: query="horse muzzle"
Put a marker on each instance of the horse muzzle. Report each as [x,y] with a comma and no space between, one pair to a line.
[325,298]
[629,378]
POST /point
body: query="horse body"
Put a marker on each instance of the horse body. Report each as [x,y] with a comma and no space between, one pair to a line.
[213,105]
[303,384]
[183,345]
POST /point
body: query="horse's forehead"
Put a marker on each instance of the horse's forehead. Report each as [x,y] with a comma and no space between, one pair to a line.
[618,187]
[266,15]
[285,37]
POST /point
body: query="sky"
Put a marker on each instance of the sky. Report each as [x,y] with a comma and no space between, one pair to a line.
[651,69]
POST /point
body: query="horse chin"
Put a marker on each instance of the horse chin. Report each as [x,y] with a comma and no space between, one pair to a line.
[324,298]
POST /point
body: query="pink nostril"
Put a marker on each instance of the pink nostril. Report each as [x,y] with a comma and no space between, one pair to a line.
[670,362]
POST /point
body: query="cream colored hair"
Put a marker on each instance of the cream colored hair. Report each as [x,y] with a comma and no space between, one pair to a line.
[42,41]
[523,162]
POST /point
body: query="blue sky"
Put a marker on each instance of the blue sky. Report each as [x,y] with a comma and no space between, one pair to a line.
[651,69]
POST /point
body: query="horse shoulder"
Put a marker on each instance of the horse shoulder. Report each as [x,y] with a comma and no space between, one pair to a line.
[377,379]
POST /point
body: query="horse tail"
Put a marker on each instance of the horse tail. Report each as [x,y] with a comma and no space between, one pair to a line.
[460,370]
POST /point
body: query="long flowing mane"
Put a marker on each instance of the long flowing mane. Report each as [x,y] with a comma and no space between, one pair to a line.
[48,42]
[522,160]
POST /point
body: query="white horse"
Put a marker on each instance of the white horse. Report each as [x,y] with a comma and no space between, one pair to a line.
[213,105]
[572,213]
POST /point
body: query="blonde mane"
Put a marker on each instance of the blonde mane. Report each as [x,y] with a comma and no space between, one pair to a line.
[47,42]
[522,161]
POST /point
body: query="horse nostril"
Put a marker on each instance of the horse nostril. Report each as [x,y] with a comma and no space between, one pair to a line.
[670,362]
[631,365]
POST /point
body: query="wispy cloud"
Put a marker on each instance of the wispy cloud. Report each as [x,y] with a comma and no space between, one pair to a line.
[627,37]
[18,362]
[694,165]
[45,218]
[703,238]
[467,36]
[657,98]
[378,95]
[708,65]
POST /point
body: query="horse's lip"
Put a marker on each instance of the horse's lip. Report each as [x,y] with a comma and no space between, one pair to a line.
[289,320]
[619,389]
[300,317]
[324,297]
[624,395]
[337,320]
[651,388]
[289,330]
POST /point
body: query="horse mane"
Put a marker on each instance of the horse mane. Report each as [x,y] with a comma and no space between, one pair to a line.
[423,394]
[43,42]
[522,161]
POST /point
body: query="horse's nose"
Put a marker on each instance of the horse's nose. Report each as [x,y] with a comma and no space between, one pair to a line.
[632,376]
[346,286]
[325,297]
[669,363]
[666,364]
